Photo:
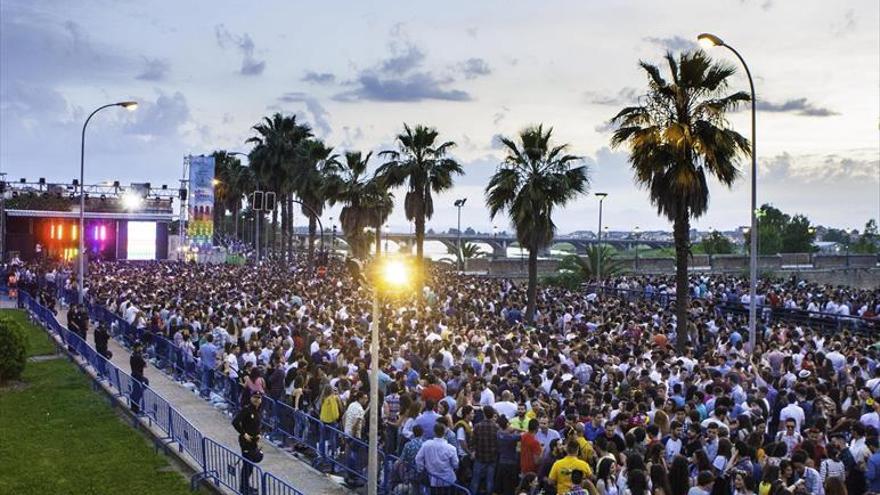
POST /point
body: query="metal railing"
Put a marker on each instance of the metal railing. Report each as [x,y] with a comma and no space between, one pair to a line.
[216,462]
[331,448]
[826,321]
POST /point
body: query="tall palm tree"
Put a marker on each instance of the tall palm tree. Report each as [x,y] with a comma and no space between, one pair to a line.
[534,178]
[276,147]
[312,177]
[422,164]
[367,204]
[233,183]
[678,137]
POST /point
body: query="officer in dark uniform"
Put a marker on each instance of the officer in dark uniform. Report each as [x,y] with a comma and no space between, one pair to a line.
[247,423]
[138,363]
[102,337]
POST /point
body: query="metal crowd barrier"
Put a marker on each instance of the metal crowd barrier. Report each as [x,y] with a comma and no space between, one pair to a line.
[827,321]
[331,448]
[217,463]
[229,469]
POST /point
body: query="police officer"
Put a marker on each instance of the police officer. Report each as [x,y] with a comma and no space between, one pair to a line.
[137,363]
[102,337]
[247,423]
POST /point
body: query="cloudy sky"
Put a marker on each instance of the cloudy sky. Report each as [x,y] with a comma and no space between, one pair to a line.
[206,71]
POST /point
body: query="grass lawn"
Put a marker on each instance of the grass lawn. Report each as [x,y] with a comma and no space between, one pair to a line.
[57,435]
[38,340]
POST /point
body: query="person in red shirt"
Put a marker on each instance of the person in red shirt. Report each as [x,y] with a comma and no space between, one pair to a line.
[433,392]
[530,449]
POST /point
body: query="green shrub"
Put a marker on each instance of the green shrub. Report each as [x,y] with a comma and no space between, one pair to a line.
[13,349]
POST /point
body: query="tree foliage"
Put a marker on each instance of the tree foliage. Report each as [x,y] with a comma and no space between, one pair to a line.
[534,178]
[13,349]
[868,242]
[421,162]
[678,137]
[779,232]
[469,251]
[717,243]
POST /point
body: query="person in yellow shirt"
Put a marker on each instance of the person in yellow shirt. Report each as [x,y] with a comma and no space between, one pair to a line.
[560,473]
[521,420]
[585,451]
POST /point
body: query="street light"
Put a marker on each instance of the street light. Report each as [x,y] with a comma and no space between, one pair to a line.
[710,40]
[459,203]
[386,230]
[390,276]
[601,197]
[128,105]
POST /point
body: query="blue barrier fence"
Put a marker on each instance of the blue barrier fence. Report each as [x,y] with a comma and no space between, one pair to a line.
[332,449]
[216,462]
[827,321]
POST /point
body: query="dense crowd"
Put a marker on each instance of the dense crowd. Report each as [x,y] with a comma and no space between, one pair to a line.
[590,397]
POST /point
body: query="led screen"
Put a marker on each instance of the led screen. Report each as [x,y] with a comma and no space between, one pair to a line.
[141,240]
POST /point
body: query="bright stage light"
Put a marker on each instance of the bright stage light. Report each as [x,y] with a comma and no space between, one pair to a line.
[131,201]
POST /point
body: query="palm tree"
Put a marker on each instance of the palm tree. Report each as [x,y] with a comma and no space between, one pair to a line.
[587,266]
[678,137]
[313,177]
[233,182]
[469,251]
[424,166]
[350,189]
[534,178]
[276,145]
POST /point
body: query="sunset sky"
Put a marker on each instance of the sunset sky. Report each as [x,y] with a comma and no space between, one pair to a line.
[206,71]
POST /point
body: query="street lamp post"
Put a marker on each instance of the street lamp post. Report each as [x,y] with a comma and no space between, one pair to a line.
[599,253]
[128,105]
[494,239]
[392,276]
[386,230]
[712,40]
[459,203]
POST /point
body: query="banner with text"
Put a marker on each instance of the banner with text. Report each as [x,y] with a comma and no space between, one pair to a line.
[200,229]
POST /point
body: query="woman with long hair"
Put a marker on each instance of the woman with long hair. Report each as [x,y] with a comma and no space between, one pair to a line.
[637,483]
[253,383]
[660,480]
[835,486]
[606,473]
[679,476]
[769,476]
[528,485]
[850,398]
[742,483]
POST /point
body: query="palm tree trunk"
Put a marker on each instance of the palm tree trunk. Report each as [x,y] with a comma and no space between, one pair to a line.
[420,237]
[289,248]
[532,291]
[681,234]
[274,227]
[285,219]
[313,227]
[236,211]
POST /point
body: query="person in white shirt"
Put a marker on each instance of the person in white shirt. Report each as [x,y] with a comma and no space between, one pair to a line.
[793,411]
[872,419]
[505,406]
[487,396]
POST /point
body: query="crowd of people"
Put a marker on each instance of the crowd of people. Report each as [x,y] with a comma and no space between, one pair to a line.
[590,397]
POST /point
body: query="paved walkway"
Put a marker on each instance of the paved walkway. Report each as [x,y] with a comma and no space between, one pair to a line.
[217,425]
